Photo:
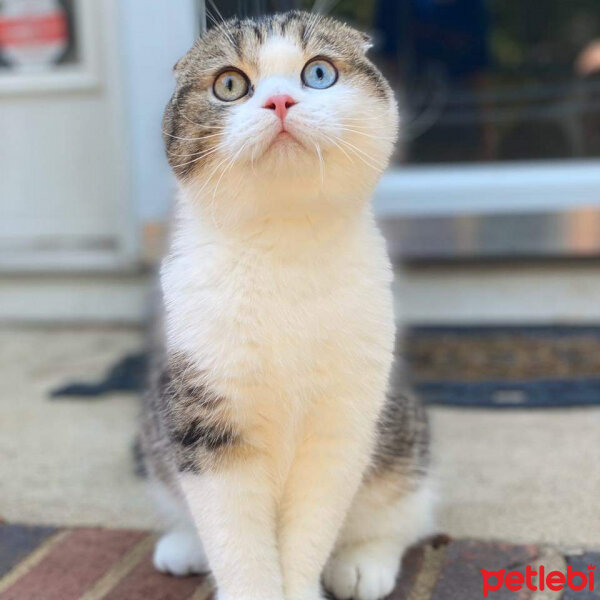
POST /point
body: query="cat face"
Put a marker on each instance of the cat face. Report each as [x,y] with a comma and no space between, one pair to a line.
[292,95]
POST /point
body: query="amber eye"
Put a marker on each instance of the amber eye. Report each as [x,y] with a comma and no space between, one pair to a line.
[319,73]
[231,85]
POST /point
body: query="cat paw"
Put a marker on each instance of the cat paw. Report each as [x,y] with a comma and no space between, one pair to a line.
[180,553]
[362,572]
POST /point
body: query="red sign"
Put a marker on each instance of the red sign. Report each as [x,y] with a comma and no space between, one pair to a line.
[33,30]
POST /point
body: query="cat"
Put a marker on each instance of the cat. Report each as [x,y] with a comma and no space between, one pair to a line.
[267,430]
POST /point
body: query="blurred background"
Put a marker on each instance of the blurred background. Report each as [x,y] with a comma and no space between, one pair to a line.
[498,163]
[491,209]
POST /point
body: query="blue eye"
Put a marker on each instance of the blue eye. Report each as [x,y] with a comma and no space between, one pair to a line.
[319,73]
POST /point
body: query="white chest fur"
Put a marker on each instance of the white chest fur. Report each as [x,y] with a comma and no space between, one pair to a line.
[291,311]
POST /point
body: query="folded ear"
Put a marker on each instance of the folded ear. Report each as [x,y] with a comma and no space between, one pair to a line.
[366,41]
[180,67]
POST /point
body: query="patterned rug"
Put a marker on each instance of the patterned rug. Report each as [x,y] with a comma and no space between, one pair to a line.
[487,367]
[505,367]
[44,563]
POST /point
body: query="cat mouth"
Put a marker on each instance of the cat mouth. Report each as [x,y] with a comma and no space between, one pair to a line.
[284,138]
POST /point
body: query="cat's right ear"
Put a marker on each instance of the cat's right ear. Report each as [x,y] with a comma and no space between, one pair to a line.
[366,41]
[177,67]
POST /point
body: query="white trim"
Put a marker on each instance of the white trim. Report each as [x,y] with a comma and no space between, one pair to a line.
[569,233]
[83,75]
[59,80]
[72,260]
[507,293]
[153,39]
[73,299]
[501,294]
[129,234]
[499,188]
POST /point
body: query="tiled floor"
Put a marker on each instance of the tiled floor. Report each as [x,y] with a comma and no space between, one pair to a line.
[104,564]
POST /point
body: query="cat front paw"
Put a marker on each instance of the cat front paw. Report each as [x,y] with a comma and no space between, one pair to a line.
[362,572]
[180,553]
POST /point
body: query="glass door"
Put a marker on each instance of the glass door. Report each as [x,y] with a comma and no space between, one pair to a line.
[501,111]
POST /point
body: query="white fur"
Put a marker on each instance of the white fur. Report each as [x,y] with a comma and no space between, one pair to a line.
[180,552]
[278,290]
[381,524]
[301,341]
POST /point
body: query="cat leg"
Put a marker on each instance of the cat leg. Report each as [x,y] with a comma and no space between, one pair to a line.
[322,481]
[223,473]
[233,507]
[388,514]
[179,551]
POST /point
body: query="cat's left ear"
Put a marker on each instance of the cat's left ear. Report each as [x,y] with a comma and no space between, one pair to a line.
[366,41]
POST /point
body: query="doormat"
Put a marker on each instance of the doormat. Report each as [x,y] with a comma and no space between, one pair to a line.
[488,367]
[505,367]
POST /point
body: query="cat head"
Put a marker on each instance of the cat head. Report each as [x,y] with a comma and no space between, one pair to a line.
[286,101]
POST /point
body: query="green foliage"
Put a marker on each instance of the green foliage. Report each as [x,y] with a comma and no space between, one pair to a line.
[542,35]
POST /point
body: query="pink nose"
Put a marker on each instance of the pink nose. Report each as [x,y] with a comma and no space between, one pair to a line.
[280,104]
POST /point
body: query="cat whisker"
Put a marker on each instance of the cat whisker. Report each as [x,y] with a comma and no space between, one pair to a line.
[220,15]
[194,122]
[325,6]
[316,7]
[369,135]
[330,139]
[229,166]
[217,11]
[362,119]
[188,139]
[358,152]
[200,126]
[222,26]
[252,156]
[193,153]
[211,206]
[183,114]
[200,154]
[189,154]
[209,178]
[180,111]
[357,149]
[189,162]
[312,24]
[321,165]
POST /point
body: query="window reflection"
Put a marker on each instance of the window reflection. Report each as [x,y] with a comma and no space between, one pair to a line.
[482,80]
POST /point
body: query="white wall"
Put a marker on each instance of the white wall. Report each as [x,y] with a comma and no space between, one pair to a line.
[155,35]
[64,194]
